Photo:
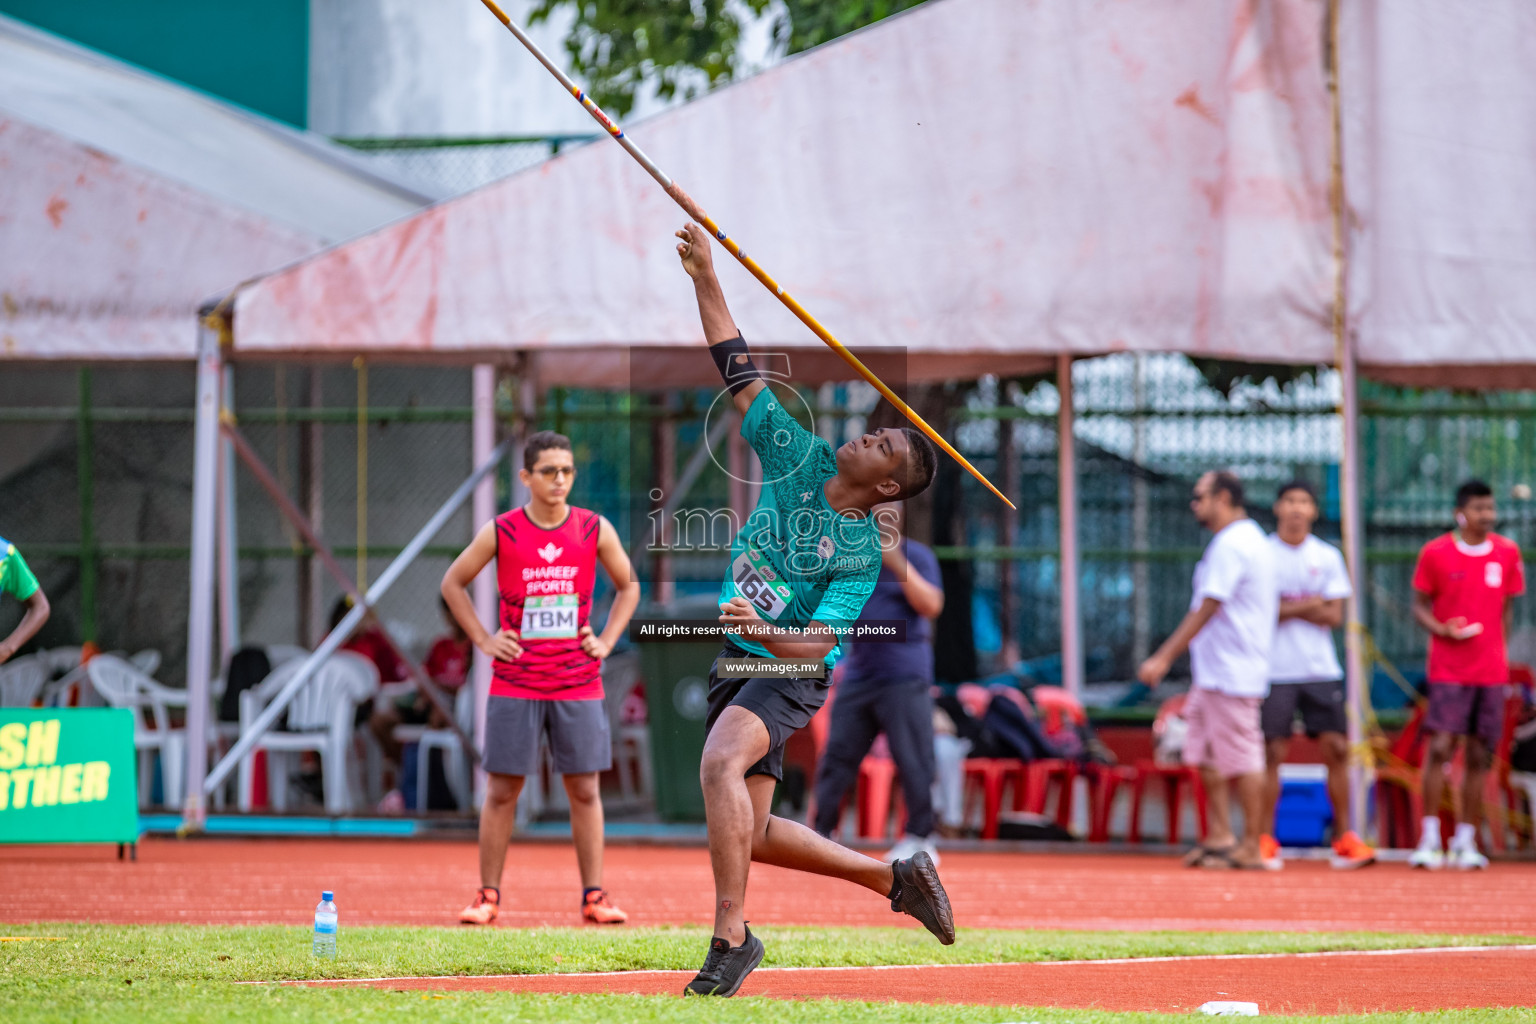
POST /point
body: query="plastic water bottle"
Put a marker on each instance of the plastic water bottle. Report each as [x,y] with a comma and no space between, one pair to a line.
[325,925]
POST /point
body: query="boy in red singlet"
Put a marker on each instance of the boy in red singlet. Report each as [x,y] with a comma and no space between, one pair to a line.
[1464,590]
[547,663]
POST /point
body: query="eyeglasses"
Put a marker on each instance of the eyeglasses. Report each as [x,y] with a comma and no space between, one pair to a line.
[551,472]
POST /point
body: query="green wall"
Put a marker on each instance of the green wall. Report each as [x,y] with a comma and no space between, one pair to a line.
[253,54]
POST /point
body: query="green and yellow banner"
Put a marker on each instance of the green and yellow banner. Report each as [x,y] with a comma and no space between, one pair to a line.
[67,775]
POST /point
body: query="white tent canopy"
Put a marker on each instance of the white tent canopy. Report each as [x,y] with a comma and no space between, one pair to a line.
[127,200]
[981,183]
[1440,166]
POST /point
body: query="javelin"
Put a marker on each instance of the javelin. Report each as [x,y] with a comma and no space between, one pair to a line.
[696,211]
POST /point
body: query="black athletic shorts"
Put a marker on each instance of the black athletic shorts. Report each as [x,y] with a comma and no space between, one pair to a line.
[1321,706]
[785,706]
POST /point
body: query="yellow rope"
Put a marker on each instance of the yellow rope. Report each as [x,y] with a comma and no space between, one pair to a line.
[361,365]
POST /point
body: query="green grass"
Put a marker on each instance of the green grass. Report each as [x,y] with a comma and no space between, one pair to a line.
[160,973]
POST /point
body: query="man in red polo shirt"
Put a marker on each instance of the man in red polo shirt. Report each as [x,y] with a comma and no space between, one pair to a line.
[1462,596]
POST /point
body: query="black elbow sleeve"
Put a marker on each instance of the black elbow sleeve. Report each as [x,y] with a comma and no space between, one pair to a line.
[734,363]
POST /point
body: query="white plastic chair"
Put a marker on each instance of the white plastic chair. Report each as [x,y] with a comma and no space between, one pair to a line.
[67,660]
[321,718]
[63,662]
[455,761]
[22,680]
[122,685]
[631,743]
[281,654]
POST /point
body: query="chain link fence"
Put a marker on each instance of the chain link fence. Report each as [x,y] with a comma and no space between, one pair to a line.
[95,489]
[451,166]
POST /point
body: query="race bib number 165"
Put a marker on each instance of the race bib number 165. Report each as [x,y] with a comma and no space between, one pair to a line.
[769,599]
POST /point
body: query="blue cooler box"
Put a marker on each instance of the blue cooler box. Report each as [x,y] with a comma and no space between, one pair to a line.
[1304,813]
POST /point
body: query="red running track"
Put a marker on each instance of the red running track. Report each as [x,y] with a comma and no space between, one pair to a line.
[426,883]
[1323,983]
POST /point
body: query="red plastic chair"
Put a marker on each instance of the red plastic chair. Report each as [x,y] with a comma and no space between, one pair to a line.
[876,783]
[875,792]
[1400,786]
[1170,779]
[1059,710]
[1501,804]
[989,776]
[1107,782]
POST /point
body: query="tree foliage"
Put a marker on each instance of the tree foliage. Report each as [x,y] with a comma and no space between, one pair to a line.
[689,46]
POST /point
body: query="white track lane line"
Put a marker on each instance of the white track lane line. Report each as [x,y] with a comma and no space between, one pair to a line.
[1405,951]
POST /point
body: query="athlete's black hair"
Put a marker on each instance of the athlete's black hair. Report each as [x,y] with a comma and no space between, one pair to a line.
[922,460]
[1223,480]
[1472,489]
[1298,484]
[540,443]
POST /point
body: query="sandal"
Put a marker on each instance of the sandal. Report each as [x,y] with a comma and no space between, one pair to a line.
[1203,856]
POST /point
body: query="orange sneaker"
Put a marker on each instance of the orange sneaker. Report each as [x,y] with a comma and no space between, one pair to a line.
[1350,852]
[596,908]
[485,908]
[1269,853]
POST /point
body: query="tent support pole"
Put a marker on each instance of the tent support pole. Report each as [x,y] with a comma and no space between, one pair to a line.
[205,482]
[1066,469]
[228,573]
[666,469]
[85,480]
[1351,525]
[482,441]
[1354,662]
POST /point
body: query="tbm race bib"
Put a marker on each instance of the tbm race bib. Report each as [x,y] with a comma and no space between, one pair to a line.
[550,618]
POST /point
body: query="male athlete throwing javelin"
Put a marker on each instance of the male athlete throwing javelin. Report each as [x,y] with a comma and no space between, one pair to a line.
[801,569]
[547,663]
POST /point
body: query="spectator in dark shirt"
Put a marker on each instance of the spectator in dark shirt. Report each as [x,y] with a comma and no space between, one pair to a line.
[886,687]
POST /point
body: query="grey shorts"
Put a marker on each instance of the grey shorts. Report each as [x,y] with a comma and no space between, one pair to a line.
[1321,706]
[577,732]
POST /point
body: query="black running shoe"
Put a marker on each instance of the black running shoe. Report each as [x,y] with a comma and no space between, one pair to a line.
[919,892]
[725,968]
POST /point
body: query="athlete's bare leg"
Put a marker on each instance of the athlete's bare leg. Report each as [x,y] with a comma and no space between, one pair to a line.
[498,815]
[741,829]
[1335,750]
[587,827]
[789,844]
[1274,757]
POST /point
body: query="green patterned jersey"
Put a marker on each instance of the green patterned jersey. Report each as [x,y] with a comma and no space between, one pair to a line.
[16,578]
[796,559]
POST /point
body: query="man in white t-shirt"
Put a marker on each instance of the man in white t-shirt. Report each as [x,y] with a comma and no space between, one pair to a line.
[1304,672]
[1228,631]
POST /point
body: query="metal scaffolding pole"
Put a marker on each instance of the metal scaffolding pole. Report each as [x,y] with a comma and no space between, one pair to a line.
[205,480]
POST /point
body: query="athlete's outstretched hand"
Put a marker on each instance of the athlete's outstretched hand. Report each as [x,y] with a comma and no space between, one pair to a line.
[593,644]
[694,251]
[502,646]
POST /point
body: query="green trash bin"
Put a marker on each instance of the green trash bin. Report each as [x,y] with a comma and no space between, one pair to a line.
[677,702]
